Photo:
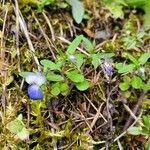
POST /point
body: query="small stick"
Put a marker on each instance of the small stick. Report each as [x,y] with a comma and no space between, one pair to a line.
[17,33]
[45,36]
[50,26]
[134,110]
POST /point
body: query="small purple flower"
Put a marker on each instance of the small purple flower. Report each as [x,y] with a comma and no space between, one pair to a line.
[35,92]
[35,80]
[108,68]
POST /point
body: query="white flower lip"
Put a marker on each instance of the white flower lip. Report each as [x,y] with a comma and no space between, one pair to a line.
[35,78]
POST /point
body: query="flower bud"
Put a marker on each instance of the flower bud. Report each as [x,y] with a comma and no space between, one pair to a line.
[108,68]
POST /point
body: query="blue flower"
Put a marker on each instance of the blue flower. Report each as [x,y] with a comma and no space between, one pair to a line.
[35,92]
[108,68]
[35,80]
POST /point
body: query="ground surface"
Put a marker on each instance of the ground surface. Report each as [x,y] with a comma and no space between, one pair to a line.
[90,108]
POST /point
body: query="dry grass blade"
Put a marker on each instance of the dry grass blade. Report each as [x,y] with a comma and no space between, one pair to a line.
[96,116]
[94,107]
[17,33]
[50,26]
[45,36]
[24,28]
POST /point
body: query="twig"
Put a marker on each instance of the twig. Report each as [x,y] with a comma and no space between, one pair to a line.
[119,145]
[130,111]
[85,120]
[134,110]
[94,107]
[17,33]
[50,26]
[96,116]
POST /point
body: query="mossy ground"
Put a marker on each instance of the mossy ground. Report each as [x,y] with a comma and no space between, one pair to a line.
[87,120]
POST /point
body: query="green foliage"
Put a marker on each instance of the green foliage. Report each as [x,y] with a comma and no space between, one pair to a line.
[24,74]
[142,129]
[82,86]
[124,86]
[75,43]
[144,58]
[136,82]
[48,64]
[116,7]
[123,68]
[17,127]
[54,77]
[77,10]
[75,76]
[75,5]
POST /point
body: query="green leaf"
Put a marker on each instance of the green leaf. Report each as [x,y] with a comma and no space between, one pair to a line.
[122,68]
[145,87]
[80,60]
[144,58]
[77,10]
[64,88]
[146,121]
[134,131]
[54,77]
[133,59]
[25,74]
[23,134]
[16,125]
[88,44]
[55,89]
[106,55]
[126,79]
[95,60]
[74,44]
[82,86]
[136,82]
[49,64]
[116,10]
[124,86]
[75,76]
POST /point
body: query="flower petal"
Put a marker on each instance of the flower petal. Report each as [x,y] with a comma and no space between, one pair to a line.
[35,78]
[35,92]
[108,68]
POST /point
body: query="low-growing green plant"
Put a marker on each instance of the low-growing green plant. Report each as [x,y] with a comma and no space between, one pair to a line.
[137,71]
[76,6]
[142,129]
[116,8]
